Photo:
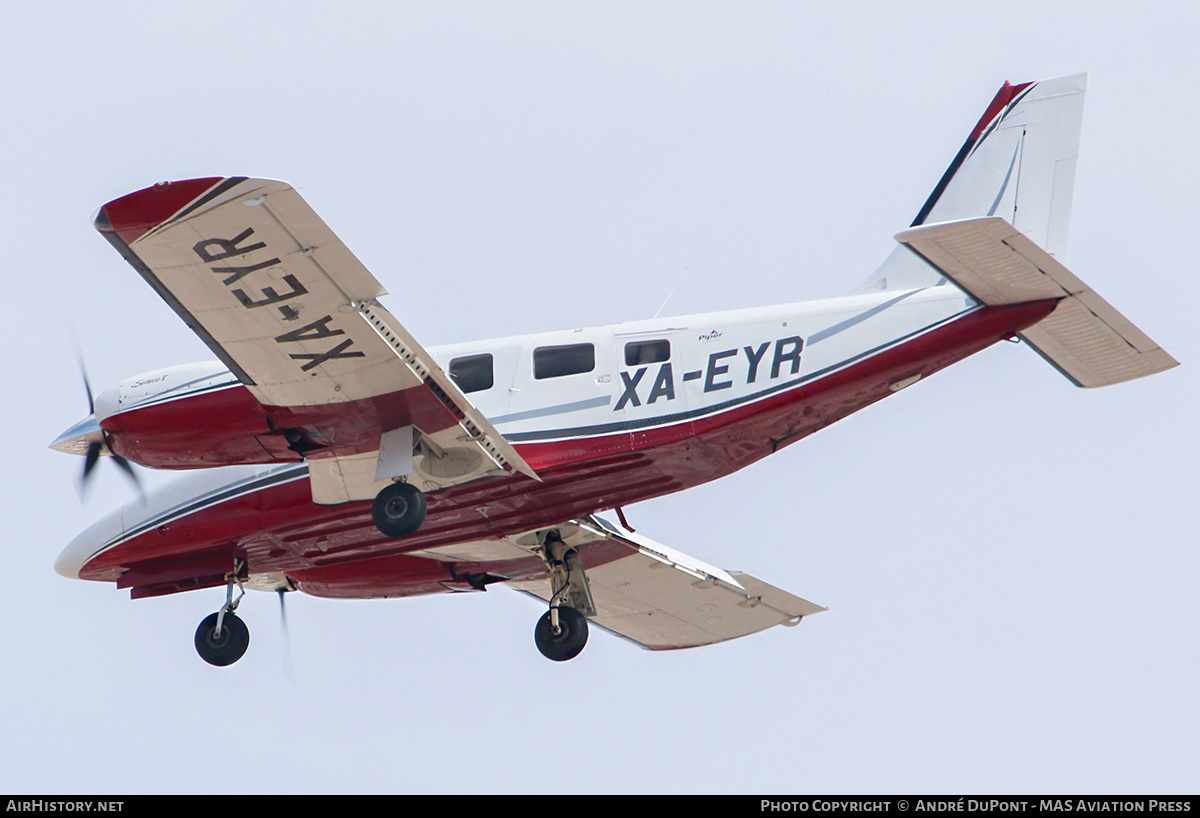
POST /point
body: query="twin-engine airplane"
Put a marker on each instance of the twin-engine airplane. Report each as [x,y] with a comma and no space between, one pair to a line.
[392,470]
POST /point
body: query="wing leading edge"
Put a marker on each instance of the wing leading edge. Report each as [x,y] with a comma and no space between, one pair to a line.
[273,292]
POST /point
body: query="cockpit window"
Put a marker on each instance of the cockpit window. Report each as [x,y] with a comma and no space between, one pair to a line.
[474,373]
[555,362]
[646,352]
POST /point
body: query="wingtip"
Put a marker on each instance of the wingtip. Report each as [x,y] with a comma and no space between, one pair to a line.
[135,214]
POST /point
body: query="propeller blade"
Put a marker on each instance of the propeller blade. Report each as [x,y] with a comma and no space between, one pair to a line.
[92,458]
[87,386]
[89,463]
[287,639]
[95,447]
[283,608]
[127,467]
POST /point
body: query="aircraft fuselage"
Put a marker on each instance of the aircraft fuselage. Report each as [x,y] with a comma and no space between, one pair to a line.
[725,390]
[575,394]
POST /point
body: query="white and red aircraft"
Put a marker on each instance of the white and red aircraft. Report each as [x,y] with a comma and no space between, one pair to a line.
[368,466]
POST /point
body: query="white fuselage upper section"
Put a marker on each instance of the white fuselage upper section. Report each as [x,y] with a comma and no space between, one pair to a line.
[596,380]
[651,372]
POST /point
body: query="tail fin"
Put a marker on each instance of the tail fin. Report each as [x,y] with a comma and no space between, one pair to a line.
[1018,163]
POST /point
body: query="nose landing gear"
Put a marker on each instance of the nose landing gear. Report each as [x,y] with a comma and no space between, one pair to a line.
[220,642]
[222,637]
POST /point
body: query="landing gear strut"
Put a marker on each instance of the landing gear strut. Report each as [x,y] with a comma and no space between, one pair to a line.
[562,632]
[399,509]
[222,637]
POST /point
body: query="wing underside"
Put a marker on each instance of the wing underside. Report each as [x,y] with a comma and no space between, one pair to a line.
[273,292]
[662,599]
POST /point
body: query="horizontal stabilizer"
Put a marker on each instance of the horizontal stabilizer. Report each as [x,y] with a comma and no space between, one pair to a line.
[1085,338]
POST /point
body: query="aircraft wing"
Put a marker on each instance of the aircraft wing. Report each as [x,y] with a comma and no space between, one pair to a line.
[1085,338]
[253,270]
[662,599]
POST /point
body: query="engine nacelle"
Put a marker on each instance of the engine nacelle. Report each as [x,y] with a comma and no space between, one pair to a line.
[182,417]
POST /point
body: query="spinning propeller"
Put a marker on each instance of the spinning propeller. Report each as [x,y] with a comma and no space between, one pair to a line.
[98,447]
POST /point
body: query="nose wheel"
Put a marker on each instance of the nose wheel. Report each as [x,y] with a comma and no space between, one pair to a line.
[561,633]
[222,637]
[222,644]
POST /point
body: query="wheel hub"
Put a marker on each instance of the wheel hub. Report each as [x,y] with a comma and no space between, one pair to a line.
[396,508]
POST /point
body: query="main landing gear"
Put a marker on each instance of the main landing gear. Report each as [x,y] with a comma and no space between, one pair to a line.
[399,510]
[562,632]
[222,637]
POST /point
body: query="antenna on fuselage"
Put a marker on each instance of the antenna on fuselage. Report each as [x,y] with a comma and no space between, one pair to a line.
[673,289]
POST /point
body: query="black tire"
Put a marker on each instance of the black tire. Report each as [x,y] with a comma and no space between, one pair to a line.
[568,642]
[224,648]
[399,510]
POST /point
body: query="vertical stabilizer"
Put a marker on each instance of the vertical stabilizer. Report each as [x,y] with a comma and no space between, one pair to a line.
[1018,163]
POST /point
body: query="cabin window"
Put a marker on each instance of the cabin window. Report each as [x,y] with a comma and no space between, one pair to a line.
[646,352]
[555,362]
[473,373]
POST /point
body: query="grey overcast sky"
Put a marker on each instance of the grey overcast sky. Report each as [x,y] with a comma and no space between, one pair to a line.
[1010,562]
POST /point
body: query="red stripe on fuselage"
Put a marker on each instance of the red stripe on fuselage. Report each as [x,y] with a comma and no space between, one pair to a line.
[279,529]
